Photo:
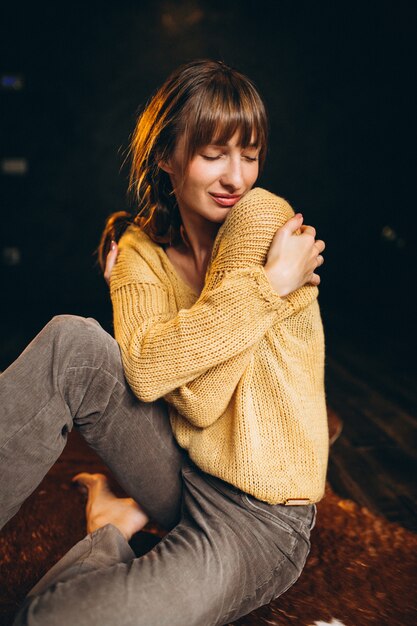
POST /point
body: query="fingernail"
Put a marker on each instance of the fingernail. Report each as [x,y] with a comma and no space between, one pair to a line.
[113,245]
[299,215]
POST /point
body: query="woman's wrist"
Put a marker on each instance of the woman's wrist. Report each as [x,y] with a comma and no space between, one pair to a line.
[282,291]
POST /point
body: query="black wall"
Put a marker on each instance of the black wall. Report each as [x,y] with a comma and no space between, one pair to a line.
[337,78]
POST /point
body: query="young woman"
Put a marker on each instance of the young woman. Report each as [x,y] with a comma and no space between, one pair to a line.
[220,432]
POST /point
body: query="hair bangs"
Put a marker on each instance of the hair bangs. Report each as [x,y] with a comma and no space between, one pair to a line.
[223,110]
[201,103]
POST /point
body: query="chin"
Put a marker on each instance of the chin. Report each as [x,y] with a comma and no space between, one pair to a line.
[219,219]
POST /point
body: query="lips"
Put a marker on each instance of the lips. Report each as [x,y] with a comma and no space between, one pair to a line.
[224,199]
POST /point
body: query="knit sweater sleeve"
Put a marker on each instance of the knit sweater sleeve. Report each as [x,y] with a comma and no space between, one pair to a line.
[185,353]
[203,400]
[161,352]
[243,241]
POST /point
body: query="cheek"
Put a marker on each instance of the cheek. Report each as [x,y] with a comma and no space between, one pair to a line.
[251,175]
[202,174]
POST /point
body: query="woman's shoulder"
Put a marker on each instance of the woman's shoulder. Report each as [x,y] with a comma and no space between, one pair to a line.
[246,234]
[135,237]
[256,213]
[260,204]
[263,197]
[138,259]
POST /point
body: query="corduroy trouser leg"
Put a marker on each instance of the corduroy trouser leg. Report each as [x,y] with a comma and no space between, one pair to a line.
[226,554]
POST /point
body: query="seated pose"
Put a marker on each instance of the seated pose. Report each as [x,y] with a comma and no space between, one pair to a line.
[209,407]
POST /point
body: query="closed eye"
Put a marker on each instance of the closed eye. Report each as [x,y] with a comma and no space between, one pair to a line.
[211,158]
[214,158]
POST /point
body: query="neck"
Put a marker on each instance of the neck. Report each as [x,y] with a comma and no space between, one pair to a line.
[198,239]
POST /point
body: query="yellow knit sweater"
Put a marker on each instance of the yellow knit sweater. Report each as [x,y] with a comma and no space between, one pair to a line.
[241,368]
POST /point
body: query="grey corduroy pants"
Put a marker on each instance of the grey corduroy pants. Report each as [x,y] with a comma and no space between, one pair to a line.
[226,553]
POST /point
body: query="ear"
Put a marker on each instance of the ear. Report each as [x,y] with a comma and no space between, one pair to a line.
[165,166]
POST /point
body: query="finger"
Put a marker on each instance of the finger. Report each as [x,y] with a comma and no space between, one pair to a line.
[310,230]
[320,260]
[314,280]
[287,229]
[110,261]
[293,223]
[111,258]
[320,245]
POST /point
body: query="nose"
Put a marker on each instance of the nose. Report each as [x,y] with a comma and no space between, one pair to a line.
[232,175]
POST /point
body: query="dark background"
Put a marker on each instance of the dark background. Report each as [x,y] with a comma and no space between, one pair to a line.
[338,80]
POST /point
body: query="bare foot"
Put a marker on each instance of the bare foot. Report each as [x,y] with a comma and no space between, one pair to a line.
[103,507]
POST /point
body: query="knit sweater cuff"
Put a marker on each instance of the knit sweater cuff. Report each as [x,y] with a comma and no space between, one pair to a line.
[266,289]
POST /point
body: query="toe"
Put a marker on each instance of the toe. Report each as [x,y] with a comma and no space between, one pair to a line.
[83,478]
[89,481]
[86,477]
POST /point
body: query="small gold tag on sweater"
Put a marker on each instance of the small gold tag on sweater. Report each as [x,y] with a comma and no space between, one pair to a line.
[296,501]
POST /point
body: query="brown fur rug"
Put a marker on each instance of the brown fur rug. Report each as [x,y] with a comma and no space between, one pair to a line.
[361,569]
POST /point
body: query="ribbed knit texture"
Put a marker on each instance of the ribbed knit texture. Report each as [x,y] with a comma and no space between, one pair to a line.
[241,368]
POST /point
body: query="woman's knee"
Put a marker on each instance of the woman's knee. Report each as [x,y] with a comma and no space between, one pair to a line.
[74,326]
[66,323]
[82,340]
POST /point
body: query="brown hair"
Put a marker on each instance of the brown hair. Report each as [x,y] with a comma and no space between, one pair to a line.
[207,102]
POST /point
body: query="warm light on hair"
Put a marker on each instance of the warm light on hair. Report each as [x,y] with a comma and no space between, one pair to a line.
[202,102]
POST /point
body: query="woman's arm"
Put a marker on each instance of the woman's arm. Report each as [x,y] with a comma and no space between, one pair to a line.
[162,352]
[196,359]
[243,241]
[203,400]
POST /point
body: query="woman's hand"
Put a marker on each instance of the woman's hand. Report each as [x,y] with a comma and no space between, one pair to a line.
[110,261]
[292,258]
